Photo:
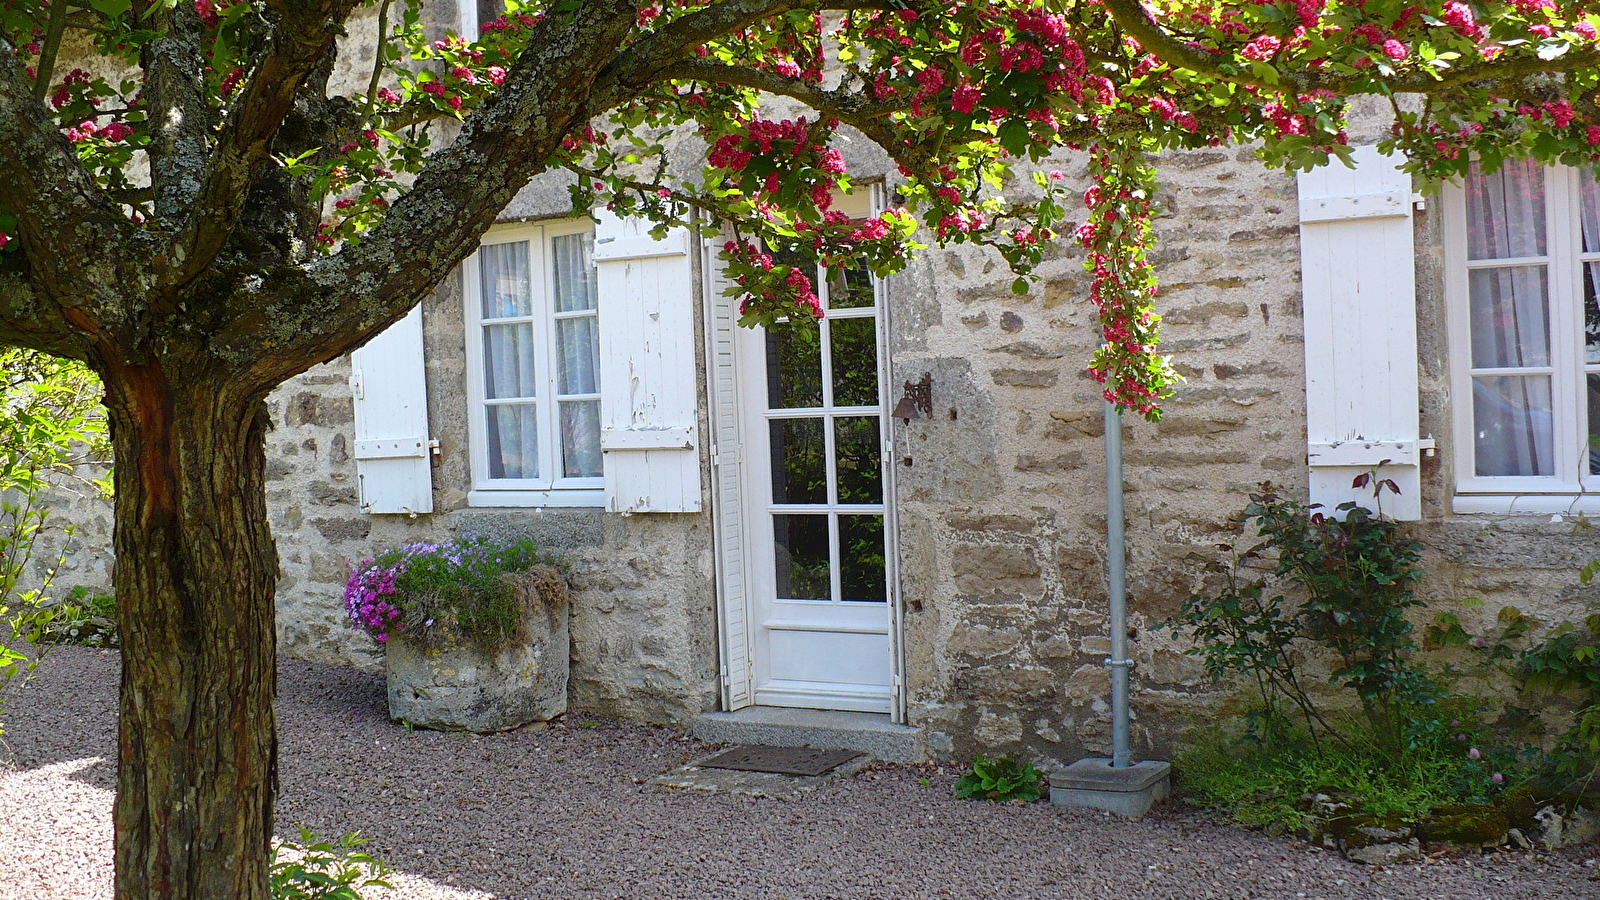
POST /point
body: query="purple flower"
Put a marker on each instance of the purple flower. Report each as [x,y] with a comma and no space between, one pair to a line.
[1474,753]
[1497,778]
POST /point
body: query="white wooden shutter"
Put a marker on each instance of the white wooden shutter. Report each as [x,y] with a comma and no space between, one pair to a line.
[1357,273]
[648,397]
[726,465]
[394,470]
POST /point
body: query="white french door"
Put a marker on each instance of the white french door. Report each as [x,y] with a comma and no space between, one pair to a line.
[817,551]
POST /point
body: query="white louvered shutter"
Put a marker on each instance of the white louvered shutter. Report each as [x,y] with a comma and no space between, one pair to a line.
[648,397]
[1357,274]
[393,468]
[726,463]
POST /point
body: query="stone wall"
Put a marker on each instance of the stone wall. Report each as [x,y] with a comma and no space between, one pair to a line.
[1002,496]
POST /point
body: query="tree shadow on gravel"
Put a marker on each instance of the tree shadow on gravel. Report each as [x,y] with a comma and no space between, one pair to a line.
[564,812]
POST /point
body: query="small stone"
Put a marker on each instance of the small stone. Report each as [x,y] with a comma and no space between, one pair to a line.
[1385,854]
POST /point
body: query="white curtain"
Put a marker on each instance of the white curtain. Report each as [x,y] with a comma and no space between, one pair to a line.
[1510,321]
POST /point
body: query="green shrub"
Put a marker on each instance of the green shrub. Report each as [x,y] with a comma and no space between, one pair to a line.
[50,423]
[1351,582]
[85,617]
[1000,780]
[436,593]
[315,869]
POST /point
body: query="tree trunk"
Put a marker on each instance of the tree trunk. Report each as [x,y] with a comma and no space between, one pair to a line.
[195,578]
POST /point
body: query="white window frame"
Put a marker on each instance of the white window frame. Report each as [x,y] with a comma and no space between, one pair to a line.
[1571,488]
[545,491]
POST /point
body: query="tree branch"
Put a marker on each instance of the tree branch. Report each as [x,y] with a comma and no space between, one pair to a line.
[56,202]
[369,285]
[52,46]
[854,109]
[179,116]
[304,33]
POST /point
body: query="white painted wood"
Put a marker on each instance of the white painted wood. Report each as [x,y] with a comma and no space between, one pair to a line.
[1378,205]
[647,373]
[824,654]
[681,438]
[732,597]
[394,472]
[1358,283]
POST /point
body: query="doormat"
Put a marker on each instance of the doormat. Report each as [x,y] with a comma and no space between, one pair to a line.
[780,760]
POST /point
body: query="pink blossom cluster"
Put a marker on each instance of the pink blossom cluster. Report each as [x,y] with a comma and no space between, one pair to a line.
[114,133]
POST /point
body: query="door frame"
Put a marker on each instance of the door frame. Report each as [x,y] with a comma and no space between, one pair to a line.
[736,621]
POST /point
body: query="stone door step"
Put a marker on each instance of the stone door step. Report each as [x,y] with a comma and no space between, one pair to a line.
[776,726]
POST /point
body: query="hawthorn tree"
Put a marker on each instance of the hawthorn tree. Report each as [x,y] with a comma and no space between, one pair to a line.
[187,207]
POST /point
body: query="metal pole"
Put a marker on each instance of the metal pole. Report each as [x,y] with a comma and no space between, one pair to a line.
[1116,570]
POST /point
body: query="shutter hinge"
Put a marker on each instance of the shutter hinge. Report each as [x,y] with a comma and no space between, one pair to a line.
[436,450]
[357,387]
[727,680]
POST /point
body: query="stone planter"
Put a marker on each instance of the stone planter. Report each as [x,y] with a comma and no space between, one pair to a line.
[451,684]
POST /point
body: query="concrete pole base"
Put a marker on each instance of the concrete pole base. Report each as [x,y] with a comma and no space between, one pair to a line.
[1093,784]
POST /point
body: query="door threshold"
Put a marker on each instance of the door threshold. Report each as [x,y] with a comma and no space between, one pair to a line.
[824,729]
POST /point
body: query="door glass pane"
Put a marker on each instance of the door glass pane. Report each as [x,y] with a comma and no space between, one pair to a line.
[861,567]
[580,438]
[1505,211]
[1509,317]
[508,361]
[794,365]
[503,280]
[858,463]
[855,361]
[578,341]
[799,469]
[573,257]
[513,441]
[850,288]
[1511,423]
[1594,424]
[1591,312]
[800,553]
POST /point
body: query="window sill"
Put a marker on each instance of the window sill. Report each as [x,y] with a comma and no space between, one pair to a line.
[580,497]
[1526,504]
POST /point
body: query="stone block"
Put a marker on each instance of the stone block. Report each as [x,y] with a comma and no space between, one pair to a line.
[994,562]
[455,685]
[1127,791]
[1026,377]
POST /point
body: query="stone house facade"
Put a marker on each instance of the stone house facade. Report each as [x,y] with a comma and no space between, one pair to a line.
[747,525]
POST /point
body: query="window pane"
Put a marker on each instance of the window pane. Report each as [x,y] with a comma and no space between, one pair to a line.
[1511,422]
[508,361]
[1505,211]
[1591,312]
[799,470]
[489,10]
[1509,317]
[855,361]
[858,463]
[850,288]
[578,341]
[503,279]
[794,365]
[861,569]
[801,556]
[573,255]
[580,438]
[1589,189]
[1594,424]
[513,441]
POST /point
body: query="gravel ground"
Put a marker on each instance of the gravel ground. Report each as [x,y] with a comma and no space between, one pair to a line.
[563,813]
